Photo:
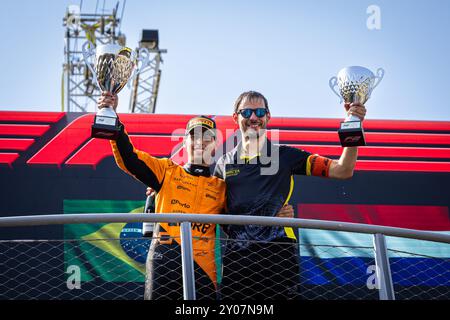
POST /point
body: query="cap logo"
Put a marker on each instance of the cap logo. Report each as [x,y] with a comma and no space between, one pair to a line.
[205,122]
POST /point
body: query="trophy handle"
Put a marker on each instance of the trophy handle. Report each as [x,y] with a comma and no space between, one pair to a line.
[333,83]
[143,58]
[87,54]
[378,77]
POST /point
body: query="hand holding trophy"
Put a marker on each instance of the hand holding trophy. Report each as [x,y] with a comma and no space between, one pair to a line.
[114,67]
[355,86]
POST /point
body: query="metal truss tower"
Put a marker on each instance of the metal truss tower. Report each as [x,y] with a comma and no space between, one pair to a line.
[79,93]
[145,87]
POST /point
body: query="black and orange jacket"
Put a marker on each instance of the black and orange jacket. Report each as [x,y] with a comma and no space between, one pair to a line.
[178,191]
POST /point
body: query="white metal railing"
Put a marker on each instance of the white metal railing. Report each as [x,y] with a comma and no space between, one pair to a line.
[386,288]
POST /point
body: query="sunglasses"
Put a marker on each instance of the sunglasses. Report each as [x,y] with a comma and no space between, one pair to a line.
[247,113]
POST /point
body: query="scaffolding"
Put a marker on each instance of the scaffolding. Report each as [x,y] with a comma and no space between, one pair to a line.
[79,92]
[145,86]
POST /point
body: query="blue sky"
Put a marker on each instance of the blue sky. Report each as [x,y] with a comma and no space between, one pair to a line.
[216,49]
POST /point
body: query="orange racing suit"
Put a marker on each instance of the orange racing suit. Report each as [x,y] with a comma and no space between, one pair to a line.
[179,190]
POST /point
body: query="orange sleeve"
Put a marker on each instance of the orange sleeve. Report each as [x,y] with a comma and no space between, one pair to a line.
[144,167]
[318,166]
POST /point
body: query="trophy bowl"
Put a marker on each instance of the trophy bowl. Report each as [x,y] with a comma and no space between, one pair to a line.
[355,84]
[112,68]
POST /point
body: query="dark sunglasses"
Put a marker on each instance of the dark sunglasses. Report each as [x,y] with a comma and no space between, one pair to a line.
[247,113]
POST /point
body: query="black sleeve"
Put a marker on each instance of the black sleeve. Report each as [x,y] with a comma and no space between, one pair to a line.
[297,159]
[145,168]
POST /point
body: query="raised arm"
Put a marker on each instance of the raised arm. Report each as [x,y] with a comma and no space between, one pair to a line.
[343,168]
[142,166]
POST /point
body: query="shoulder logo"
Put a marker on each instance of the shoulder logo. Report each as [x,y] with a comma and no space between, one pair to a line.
[232,172]
[211,196]
[183,188]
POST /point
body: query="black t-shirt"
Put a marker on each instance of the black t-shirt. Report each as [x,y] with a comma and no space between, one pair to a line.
[259,187]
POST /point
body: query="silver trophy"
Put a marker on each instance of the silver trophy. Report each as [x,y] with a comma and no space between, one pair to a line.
[114,66]
[355,84]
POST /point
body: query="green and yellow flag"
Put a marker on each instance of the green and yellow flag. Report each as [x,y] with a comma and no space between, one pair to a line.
[113,252]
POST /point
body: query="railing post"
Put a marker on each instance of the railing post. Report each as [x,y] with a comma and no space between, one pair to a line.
[386,288]
[187,261]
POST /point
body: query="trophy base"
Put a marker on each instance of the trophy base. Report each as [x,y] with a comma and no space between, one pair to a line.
[105,128]
[351,134]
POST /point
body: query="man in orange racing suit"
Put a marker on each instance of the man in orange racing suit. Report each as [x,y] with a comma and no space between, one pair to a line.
[180,189]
